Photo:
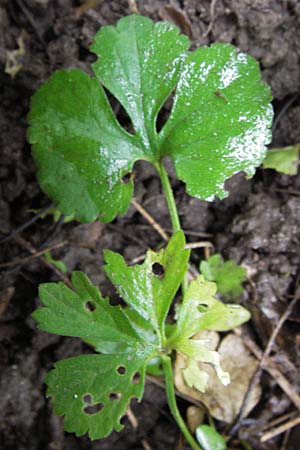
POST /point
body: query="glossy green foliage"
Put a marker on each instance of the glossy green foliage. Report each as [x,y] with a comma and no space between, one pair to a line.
[219,123]
[228,275]
[93,391]
[209,438]
[284,160]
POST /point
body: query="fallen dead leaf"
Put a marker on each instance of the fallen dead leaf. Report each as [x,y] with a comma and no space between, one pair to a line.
[178,17]
[194,417]
[224,402]
[5,297]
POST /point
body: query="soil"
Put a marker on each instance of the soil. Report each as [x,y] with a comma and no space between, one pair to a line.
[257,225]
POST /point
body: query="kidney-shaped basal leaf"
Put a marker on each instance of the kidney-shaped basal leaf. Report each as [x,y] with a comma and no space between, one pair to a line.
[218,126]
[92,392]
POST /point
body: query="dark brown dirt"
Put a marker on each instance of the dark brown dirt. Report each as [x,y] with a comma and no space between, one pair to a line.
[258,225]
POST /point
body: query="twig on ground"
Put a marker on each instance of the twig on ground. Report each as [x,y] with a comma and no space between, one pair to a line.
[155,225]
[35,254]
[135,424]
[278,420]
[283,111]
[27,224]
[264,364]
[88,4]
[133,7]
[29,247]
[31,20]
[212,17]
[131,237]
[286,439]
[279,430]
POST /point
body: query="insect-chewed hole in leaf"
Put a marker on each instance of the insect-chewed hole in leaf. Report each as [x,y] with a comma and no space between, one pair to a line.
[114,396]
[87,398]
[121,370]
[120,112]
[90,306]
[127,177]
[164,112]
[136,378]
[93,409]
[202,308]
[158,269]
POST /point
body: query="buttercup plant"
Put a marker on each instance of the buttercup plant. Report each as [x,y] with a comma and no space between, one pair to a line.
[219,124]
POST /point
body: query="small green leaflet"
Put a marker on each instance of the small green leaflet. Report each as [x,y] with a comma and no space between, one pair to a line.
[219,123]
[284,160]
[209,438]
[228,275]
[201,310]
[56,262]
[93,391]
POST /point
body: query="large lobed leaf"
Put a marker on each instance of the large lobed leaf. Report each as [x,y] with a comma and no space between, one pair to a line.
[93,391]
[219,123]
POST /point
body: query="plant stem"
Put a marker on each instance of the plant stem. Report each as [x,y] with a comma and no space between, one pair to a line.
[168,191]
[169,197]
[168,371]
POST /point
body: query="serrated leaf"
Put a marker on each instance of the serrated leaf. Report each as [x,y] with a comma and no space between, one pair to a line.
[92,395]
[86,314]
[228,275]
[127,337]
[284,160]
[218,125]
[147,292]
[209,438]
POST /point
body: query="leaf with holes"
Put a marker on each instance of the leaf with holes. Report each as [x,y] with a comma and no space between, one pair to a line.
[219,123]
[228,275]
[150,288]
[201,310]
[93,391]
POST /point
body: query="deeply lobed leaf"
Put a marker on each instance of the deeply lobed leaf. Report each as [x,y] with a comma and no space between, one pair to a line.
[228,275]
[93,391]
[219,123]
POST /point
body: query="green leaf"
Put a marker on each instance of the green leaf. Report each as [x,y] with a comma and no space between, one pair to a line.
[86,314]
[92,394]
[228,275]
[197,350]
[201,310]
[80,149]
[56,262]
[218,126]
[194,376]
[127,338]
[209,438]
[150,288]
[284,160]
